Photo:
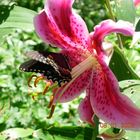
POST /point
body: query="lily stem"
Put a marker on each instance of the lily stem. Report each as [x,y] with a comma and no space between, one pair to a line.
[113,18]
[96,128]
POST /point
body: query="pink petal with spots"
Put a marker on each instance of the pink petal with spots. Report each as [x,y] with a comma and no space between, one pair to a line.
[85,110]
[50,33]
[74,56]
[136,2]
[109,104]
[60,26]
[73,89]
[106,27]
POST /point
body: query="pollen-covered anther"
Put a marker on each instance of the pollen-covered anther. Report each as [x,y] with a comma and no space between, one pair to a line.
[52,111]
[51,101]
[46,87]
[29,80]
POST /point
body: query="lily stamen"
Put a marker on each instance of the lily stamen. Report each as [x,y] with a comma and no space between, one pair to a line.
[52,111]
[83,66]
[37,80]
[51,101]
[29,80]
[46,88]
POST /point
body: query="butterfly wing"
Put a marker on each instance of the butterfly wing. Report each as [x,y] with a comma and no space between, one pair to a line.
[57,60]
[52,65]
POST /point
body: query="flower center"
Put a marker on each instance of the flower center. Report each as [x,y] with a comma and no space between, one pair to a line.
[76,72]
[83,66]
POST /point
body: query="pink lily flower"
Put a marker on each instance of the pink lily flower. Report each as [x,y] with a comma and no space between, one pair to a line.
[136,2]
[60,26]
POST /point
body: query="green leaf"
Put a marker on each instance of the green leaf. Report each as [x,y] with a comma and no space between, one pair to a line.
[19,17]
[13,17]
[70,132]
[4,32]
[47,136]
[131,88]
[125,10]
[15,133]
[53,133]
[120,66]
[137,29]
[5,12]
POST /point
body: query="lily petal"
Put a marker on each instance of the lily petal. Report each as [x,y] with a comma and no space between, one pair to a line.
[60,26]
[106,27]
[136,2]
[85,110]
[73,89]
[108,103]
[75,57]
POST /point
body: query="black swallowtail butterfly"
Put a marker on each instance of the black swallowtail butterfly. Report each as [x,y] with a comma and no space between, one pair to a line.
[54,66]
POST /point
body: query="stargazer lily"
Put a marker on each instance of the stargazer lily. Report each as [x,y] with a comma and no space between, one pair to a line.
[60,26]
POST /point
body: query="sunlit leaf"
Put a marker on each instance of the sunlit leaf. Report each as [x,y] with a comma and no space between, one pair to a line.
[19,17]
[15,133]
[125,10]
[40,135]
[4,32]
[13,17]
[131,88]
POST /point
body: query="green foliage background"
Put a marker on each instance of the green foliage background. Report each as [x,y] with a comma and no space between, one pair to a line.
[18,109]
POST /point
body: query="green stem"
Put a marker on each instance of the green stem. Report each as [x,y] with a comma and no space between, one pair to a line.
[110,9]
[120,41]
[96,128]
[113,18]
